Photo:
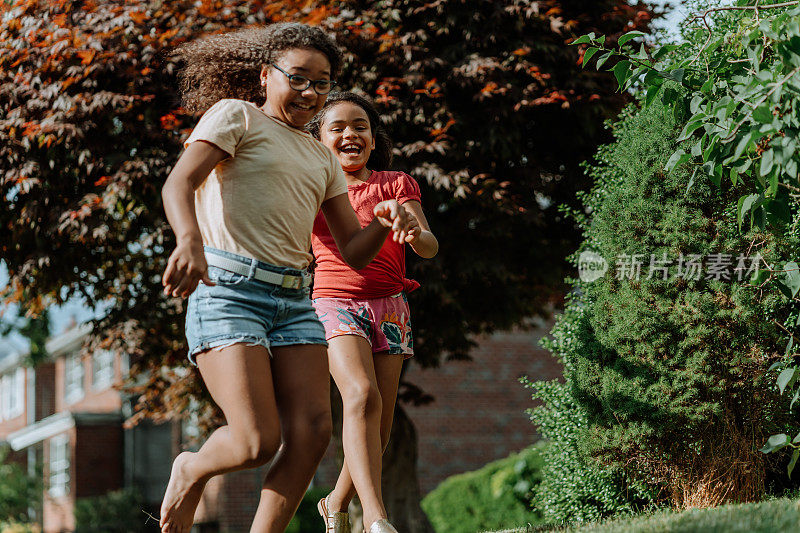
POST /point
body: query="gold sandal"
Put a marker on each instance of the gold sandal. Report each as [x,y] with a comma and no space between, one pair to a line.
[382,526]
[335,522]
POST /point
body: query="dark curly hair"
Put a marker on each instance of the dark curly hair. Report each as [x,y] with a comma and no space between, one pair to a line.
[381,156]
[229,65]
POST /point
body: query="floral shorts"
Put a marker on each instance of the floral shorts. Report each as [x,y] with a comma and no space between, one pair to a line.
[384,322]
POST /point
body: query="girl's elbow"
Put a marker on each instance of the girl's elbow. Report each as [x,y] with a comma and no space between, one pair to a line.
[356,263]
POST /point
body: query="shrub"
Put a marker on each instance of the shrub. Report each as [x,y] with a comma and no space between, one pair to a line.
[18,490]
[494,497]
[307,517]
[668,376]
[574,488]
[115,512]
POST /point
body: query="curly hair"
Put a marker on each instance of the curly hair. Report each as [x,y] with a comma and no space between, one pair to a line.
[381,156]
[229,65]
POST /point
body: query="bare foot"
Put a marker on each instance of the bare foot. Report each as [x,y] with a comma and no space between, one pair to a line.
[181,498]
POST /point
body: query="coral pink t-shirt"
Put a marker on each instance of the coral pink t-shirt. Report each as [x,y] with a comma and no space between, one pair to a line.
[385,275]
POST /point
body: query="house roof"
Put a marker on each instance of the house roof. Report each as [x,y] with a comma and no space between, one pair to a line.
[69,341]
[58,423]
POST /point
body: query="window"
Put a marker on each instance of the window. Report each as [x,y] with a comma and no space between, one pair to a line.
[59,466]
[12,398]
[73,378]
[102,369]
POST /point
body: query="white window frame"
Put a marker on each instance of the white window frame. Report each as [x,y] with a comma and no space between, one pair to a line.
[12,400]
[102,369]
[5,395]
[58,479]
[73,378]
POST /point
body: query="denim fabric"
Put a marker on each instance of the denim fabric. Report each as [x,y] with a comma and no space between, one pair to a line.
[240,309]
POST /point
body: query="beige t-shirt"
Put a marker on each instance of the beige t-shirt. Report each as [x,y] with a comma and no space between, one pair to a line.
[261,202]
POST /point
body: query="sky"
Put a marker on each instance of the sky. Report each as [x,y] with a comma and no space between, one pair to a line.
[61,317]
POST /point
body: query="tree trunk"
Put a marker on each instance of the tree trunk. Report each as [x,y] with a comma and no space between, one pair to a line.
[401,493]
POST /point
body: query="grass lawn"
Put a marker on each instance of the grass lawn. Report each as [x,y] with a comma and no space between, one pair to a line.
[774,516]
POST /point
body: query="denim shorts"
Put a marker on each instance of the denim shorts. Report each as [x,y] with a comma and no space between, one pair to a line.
[240,309]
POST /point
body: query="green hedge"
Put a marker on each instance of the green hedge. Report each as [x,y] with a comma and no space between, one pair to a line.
[115,512]
[496,496]
[307,517]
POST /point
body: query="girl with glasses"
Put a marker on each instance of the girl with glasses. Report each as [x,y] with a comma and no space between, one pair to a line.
[242,200]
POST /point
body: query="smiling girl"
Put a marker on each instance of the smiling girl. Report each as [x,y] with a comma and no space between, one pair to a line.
[365,312]
[242,200]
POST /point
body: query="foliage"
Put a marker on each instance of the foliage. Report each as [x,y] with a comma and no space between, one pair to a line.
[741,91]
[19,527]
[765,517]
[116,512]
[18,490]
[307,517]
[498,495]
[36,329]
[573,488]
[670,366]
[90,127]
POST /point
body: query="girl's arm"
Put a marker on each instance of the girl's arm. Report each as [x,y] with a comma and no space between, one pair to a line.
[423,242]
[187,264]
[358,245]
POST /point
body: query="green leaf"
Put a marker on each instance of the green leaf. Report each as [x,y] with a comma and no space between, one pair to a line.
[678,158]
[652,93]
[690,128]
[766,162]
[742,145]
[796,439]
[707,86]
[786,378]
[622,71]
[795,455]
[602,59]
[745,203]
[583,39]
[592,50]
[628,36]
[676,75]
[775,442]
[691,181]
[763,114]
[792,277]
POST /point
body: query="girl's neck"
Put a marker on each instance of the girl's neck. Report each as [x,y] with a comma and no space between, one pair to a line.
[357,176]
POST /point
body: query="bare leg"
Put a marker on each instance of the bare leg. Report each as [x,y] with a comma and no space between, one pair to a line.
[368,384]
[239,379]
[302,389]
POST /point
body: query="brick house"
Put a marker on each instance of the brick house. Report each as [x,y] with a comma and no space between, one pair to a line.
[67,415]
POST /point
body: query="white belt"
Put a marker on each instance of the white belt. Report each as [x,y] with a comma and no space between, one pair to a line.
[287,281]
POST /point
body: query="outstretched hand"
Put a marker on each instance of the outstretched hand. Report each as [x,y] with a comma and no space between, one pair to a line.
[186,267]
[402,223]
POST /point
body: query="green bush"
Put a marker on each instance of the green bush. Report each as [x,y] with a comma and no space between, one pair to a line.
[116,512]
[18,490]
[307,517]
[496,496]
[574,488]
[666,379]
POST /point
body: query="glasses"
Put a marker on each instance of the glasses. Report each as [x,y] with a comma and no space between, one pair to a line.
[301,83]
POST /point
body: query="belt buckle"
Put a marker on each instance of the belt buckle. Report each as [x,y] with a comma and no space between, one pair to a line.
[291,282]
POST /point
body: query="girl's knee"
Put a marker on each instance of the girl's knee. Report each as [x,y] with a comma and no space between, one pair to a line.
[312,432]
[256,449]
[362,399]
